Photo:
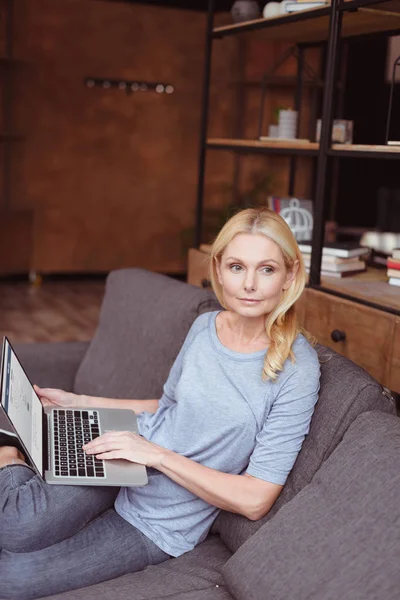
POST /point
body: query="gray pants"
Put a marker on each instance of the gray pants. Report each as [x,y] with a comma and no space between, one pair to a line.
[55,538]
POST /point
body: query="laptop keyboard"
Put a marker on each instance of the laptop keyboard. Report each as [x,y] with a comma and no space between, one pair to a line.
[71,430]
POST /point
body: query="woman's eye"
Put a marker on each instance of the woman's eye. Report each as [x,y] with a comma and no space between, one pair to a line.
[235,268]
[268,270]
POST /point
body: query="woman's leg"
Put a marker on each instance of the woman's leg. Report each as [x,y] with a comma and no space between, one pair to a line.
[106,548]
[34,514]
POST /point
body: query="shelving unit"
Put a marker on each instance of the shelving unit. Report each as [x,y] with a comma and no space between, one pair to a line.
[339,21]
[365,307]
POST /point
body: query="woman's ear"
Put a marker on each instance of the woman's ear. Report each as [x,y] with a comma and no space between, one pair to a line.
[291,275]
[218,270]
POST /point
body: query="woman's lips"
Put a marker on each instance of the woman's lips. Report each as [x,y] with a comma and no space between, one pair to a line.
[249,300]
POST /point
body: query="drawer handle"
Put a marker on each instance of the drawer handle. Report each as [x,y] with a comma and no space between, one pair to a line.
[338,336]
[205,283]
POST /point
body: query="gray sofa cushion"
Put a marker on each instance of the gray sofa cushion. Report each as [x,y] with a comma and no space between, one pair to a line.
[52,364]
[346,391]
[143,322]
[339,538]
[193,576]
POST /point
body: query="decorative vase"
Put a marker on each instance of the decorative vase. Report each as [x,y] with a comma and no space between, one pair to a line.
[245,10]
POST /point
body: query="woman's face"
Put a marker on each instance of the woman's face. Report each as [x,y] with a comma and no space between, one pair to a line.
[253,275]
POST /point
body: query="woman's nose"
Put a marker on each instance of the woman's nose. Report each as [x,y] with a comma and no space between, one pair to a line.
[250,282]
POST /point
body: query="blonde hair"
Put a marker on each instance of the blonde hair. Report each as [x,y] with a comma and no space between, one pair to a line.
[281,325]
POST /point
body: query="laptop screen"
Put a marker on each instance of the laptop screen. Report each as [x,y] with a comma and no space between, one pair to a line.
[22,405]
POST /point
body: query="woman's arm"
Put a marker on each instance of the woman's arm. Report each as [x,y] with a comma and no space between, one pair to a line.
[54,397]
[243,494]
[137,406]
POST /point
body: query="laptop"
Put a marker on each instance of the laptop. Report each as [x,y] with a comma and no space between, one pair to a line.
[52,437]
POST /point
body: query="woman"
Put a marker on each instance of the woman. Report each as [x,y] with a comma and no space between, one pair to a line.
[224,435]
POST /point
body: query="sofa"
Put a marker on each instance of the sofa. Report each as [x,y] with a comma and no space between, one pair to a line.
[334,532]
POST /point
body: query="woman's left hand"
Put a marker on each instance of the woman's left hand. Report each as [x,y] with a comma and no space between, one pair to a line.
[127,445]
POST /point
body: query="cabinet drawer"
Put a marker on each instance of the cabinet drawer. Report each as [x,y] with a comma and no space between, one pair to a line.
[368,332]
[198,268]
[394,381]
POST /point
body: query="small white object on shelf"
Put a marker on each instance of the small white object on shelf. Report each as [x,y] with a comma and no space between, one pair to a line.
[271,9]
[342,131]
[273,131]
[299,219]
[291,6]
[287,124]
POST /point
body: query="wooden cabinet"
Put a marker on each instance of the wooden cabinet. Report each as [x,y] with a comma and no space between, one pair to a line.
[363,334]
[198,268]
[394,379]
[368,336]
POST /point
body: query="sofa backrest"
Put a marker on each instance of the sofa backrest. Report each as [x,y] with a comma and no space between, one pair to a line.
[144,320]
[339,537]
[346,391]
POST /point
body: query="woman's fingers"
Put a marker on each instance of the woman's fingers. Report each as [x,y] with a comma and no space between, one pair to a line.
[110,455]
[111,439]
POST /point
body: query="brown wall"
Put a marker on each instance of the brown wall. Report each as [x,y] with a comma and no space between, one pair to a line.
[109,179]
[105,180]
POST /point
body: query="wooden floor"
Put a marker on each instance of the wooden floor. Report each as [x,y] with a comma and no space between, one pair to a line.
[55,311]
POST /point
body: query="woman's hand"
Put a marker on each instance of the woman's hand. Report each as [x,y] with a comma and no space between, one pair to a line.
[54,397]
[127,445]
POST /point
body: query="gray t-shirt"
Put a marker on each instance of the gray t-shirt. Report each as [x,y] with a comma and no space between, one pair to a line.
[218,411]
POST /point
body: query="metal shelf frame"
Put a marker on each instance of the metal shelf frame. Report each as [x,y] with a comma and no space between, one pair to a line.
[326,155]
[258,24]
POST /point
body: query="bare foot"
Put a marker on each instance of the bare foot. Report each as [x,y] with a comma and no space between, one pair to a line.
[11,456]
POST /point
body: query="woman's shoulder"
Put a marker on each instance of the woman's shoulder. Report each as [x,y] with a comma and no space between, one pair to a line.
[203,322]
[305,354]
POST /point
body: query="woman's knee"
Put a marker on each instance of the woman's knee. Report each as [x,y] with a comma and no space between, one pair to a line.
[35,515]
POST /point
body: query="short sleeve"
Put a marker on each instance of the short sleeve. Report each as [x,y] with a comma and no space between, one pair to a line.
[280,440]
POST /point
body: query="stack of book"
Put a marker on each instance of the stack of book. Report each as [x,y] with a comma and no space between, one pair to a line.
[393,267]
[339,259]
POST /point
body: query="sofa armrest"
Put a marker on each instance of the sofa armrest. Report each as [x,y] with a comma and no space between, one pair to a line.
[52,364]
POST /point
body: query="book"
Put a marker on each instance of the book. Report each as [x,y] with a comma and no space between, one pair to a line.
[328,259]
[393,263]
[393,273]
[344,274]
[396,253]
[394,281]
[291,7]
[341,249]
[349,265]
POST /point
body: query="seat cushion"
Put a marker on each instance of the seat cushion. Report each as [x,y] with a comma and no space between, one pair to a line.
[346,391]
[144,320]
[339,537]
[193,576]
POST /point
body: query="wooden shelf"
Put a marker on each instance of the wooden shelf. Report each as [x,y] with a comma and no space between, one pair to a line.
[278,81]
[313,25]
[384,5]
[365,151]
[371,286]
[286,147]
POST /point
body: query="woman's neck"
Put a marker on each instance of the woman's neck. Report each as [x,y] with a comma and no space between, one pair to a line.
[242,333]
